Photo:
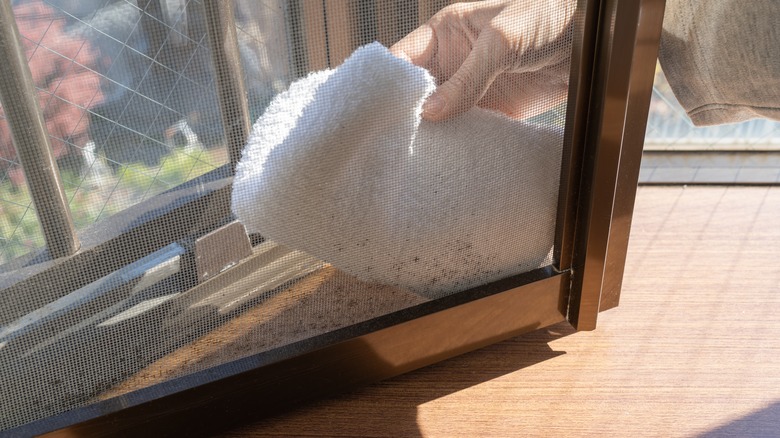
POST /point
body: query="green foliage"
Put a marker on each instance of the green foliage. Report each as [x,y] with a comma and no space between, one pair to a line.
[19,230]
[96,197]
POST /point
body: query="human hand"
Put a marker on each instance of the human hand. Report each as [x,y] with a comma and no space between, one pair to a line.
[503,55]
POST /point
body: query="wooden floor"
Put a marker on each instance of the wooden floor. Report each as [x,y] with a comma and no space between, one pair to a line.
[693,349]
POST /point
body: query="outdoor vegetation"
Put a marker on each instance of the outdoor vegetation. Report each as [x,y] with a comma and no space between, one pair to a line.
[126,120]
[95,197]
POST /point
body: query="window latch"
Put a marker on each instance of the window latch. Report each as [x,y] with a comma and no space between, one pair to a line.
[220,250]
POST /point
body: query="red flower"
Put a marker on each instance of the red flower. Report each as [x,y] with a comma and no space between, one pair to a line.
[62,66]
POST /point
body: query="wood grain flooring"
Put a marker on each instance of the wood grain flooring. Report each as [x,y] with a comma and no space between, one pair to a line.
[693,349]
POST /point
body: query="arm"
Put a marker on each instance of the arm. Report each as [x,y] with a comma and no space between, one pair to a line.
[721,58]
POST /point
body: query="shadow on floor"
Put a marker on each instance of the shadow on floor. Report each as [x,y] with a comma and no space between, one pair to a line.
[763,423]
[381,410]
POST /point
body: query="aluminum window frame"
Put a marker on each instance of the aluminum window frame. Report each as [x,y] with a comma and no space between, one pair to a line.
[605,129]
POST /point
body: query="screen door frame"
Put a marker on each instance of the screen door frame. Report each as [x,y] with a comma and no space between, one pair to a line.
[613,61]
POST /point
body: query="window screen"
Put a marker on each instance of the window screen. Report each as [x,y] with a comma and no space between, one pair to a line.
[350,200]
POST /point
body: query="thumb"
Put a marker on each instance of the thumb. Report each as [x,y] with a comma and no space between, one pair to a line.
[466,87]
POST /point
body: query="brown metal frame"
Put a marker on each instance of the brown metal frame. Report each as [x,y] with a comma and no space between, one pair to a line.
[611,86]
[257,386]
[645,53]
[627,50]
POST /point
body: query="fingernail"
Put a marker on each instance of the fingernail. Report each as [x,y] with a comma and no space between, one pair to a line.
[433,105]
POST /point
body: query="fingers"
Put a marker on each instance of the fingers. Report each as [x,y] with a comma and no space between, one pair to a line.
[467,86]
[524,95]
[470,45]
[418,47]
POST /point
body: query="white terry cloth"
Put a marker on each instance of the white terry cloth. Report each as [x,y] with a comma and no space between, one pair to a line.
[341,166]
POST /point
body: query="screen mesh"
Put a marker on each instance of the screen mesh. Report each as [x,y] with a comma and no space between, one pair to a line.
[367,187]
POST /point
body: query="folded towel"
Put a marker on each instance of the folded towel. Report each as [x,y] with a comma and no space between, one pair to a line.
[341,166]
